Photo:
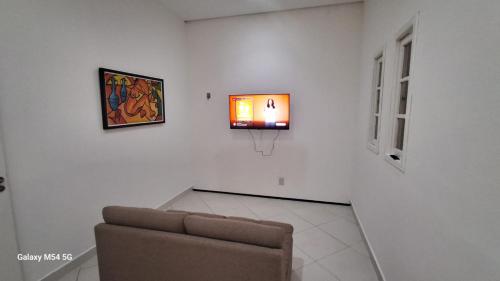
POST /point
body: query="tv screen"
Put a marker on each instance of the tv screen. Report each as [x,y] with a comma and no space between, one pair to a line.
[259,111]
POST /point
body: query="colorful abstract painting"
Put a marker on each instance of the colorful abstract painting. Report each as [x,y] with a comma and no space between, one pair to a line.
[130,99]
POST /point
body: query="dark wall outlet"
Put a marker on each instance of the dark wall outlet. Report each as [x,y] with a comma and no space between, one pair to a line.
[281,181]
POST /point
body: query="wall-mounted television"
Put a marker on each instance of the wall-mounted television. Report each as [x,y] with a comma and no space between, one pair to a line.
[259,111]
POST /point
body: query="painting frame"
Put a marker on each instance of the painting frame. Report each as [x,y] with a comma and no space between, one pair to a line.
[105,102]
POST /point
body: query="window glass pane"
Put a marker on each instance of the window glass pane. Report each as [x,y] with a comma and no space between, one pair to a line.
[377,104]
[379,79]
[406,59]
[400,132]
[403,97]
[375,128]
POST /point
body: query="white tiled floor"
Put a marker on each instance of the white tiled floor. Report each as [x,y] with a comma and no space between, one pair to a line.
[327,242]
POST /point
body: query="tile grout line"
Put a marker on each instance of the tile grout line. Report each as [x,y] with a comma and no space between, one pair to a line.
[338,252]
[354,249]
[248,208]
[328,270]
[316,225]
[331,273]
[345,243]
[87,267]
[78,274]
[291,211]
[205,202]
[302,250]
[334,252]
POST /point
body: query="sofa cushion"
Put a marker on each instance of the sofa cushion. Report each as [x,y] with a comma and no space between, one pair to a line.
[145,218]
[235,230]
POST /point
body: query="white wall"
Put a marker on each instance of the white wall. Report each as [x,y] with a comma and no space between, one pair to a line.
[311,53]
[438,220]
[62,167]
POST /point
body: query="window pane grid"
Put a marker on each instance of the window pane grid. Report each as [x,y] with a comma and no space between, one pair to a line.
[377,103]
[376,128]
[378,77]
[406,59]
[404,79]
[400,131]
[401,99]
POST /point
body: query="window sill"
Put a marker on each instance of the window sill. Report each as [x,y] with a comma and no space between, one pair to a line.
[396,163]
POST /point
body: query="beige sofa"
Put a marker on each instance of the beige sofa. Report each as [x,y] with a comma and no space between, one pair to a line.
[137,244]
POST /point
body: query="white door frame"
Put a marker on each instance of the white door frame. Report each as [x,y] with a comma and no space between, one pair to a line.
[10,266]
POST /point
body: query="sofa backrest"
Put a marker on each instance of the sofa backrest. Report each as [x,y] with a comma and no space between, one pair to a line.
[145,218]
[235,230]
[288,228]
[243,230]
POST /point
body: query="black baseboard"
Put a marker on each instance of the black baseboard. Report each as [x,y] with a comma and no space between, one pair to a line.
[272,197]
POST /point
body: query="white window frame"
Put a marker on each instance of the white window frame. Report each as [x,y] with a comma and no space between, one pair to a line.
[406,35]
[377,74]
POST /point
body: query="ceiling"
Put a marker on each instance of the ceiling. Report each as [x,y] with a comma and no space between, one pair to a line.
[190,10]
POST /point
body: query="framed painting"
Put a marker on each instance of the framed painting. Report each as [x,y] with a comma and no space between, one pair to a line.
[130,100]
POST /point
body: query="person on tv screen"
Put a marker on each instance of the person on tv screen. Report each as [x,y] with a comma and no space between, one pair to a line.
[270,113]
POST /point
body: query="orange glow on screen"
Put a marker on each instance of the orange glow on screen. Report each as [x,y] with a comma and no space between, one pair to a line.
[260,111]
[244,109]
